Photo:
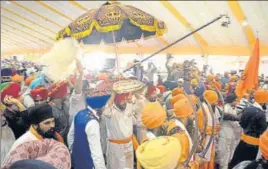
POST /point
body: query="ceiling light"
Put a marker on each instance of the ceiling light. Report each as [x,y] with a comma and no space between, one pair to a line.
[7,2]
[244,23]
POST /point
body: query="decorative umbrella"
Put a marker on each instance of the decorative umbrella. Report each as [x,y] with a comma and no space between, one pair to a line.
[112,23]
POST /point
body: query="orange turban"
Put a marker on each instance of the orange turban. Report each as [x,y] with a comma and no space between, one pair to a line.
[263,142]
[193,98]
[29,80]
[17,78]
[153,115]
[211,96]
[210,77]
[161,88]
[177,91]
[183,108]
[176,98]
[260,96]
[233,78]
[103,76]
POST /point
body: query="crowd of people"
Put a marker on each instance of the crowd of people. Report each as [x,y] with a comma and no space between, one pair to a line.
[189,119]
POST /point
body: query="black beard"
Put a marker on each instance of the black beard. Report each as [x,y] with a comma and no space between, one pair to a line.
[48,134]
[152,99]
[121,107]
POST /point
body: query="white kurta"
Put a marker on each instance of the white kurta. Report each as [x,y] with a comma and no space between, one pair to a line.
[179,124]
[28,136]
[209,124]
[27,99]
[7,140]
[140,129]
[229,137]
[119,126]
[77,103]
[93,137]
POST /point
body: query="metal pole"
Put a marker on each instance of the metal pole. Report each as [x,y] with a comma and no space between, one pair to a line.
[189,34]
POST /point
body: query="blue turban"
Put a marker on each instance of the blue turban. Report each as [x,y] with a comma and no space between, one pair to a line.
[97,102]
[200,90]
[6,72]
[39,81]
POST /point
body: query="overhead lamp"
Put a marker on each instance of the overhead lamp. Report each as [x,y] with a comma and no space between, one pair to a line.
[7,2]
[244,23]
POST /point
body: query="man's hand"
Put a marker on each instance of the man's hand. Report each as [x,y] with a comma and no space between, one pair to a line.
[200,160]
[79,66]
[10,100]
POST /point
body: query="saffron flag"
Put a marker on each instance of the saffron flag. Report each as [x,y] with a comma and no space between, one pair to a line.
[249,78]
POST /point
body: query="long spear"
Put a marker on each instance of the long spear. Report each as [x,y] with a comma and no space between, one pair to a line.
[225,24]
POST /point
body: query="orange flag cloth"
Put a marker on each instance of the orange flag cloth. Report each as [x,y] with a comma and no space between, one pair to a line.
[249,79]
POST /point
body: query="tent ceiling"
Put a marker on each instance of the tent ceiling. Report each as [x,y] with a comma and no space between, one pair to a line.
[31,26]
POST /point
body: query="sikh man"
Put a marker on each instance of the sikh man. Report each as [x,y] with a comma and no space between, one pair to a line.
[42,125]
[39,95]
[14,111]
[155,120]
[229,132]
[119,124]
[212,98]
[261,161]
[163,152]
[151,96]
[85,132]
[253,123]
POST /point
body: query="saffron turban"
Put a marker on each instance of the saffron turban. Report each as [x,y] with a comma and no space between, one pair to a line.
[210,77]
[162,89]
[176,98]
[17,78]
[183,108]
[177,91]
[153,115]
[29,80]
[211,96]
[260,96]
[159,153]
[193,98]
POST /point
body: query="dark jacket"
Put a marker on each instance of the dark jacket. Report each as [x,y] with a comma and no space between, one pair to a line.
[17,122]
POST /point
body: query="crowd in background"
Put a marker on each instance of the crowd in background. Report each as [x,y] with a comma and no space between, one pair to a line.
[191,118]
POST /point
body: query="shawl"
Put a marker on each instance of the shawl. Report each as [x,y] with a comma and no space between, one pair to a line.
[47,150]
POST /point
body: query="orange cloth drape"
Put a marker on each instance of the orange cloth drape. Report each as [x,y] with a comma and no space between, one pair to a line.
[249,79]
[211,163]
